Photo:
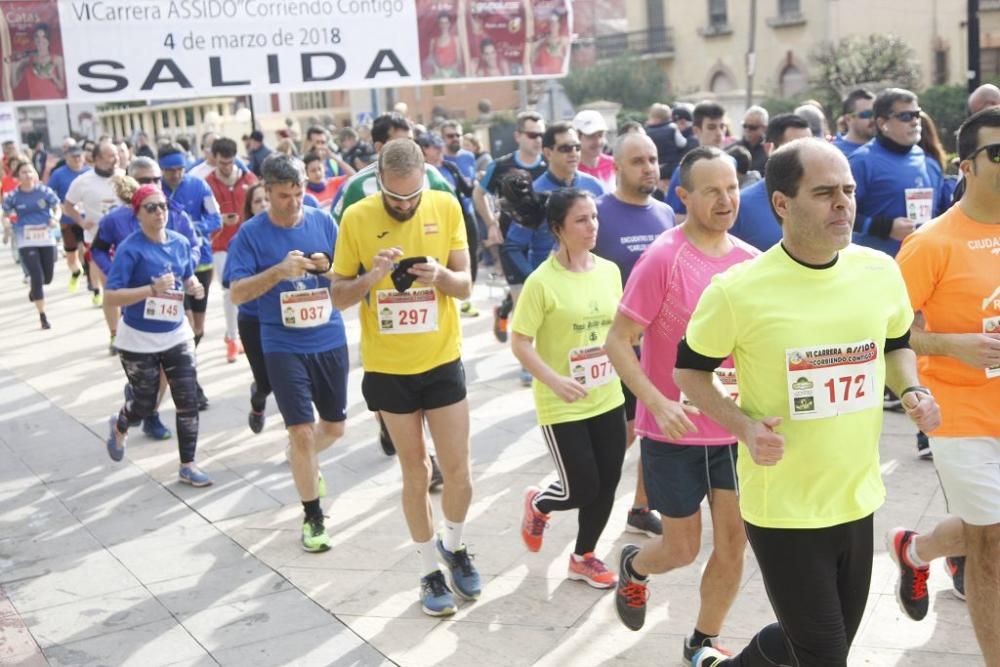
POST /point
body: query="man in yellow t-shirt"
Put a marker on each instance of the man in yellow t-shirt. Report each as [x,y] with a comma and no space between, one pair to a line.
[952,271]
[816,328]
[403,255]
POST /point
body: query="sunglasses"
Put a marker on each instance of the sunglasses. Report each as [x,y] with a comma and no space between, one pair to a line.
[906,116]
[533,135]
[992,153]
[154,207]
[451,136]
[568,148]
[752,128]
[148,180]
[386,191]
[867,114]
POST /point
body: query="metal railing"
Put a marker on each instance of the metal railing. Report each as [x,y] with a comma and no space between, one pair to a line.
[652,41]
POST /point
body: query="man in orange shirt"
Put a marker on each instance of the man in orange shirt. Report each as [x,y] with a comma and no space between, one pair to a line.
[952,272]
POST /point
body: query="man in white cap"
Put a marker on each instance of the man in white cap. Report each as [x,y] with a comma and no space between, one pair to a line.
[592,127]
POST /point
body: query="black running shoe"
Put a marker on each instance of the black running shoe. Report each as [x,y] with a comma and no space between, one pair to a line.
[911,590]
[384,439]
[924,452]
[202,399]
[956,570]
[631,594]
[437,479]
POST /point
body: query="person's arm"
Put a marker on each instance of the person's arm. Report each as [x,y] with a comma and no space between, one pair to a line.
[901,378]
[126,296]
[978,350]
[211,219]
[565,388]
[253,287]
[345,291]
[100,249]
[671,416]
[451,280]
[516,247]
[70,210]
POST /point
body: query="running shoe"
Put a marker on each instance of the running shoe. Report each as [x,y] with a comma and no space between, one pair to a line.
[255,419]
[891,402]
[955,567]
[202,399]
[464,576]
[194,476]
[533,522]
[114,451]
[384,439]
[314,537]
[924,452]
[437,479]
[112,350]
[499,325]
[98,299]
[44,320]
[591,570]
[435,596]
[232,351]
[632,594]
[74,282]
[525,377]
[468,310]
[642,520]
[691,651]
[708,657]
[911,590]
[154,428]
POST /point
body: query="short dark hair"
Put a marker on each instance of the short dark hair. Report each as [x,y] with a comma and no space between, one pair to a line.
[184,143]
[311,156]
[741,156]
[706,109]
[383,126]
[169,149]
[691,158]
[280,168]
[559,204]
[853,97]
[780,123]
[315,129]
[525,116]
[224,147]
[554,130]
[885,100]
[968,133]
[784,170]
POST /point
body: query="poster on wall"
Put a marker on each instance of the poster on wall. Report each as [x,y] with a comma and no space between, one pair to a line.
[118,50]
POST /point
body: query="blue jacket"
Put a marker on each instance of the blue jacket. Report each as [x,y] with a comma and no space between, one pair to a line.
[120,223]
[194,197]
[755,222]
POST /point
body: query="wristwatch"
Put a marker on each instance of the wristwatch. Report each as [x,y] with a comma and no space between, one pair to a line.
[916,387]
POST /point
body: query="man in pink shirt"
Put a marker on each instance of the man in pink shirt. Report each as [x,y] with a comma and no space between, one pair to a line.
[685,455]
[592,128]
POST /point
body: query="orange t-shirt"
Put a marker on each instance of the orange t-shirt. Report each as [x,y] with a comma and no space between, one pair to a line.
[951,267]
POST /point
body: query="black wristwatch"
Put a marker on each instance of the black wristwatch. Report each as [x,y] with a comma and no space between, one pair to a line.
[916,387]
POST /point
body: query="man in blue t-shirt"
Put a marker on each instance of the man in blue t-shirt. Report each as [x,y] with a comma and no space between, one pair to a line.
[860,117]
[899,187]
[451,132]
[72,233]
[280,258]
[755,222]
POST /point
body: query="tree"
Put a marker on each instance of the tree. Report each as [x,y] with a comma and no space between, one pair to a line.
[635,84]
[947,106]
[869,61]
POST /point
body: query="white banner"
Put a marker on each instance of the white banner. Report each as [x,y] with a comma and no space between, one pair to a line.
[116,50]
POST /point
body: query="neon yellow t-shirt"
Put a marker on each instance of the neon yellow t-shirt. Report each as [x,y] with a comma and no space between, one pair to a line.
[413,332]
[808,342]
[569,314]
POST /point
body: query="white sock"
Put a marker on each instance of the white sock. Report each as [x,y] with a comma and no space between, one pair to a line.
[428,557]
[911,554]
[452,535]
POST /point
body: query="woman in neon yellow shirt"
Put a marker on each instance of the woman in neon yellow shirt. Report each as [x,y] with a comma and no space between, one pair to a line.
[560,325]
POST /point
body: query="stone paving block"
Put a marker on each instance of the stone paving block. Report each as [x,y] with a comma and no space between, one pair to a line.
[156,644]
[487,645]
[100,615]
[947,628]
[335,591]
[881,657]
[229,496]
[18,553]
[160,557]
[219,586]
[318,646]
[394,637]
[66,579]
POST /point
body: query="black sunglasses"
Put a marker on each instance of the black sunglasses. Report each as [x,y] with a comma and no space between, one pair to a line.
[569,148]
[155,206]
[992,153]
[867,114]
[906,116]
[533,135]
[148,180]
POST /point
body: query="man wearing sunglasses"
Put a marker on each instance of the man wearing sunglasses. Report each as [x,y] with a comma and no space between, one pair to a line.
[952,272]
[860,121]
[754,126]
[403,256]
[898,187]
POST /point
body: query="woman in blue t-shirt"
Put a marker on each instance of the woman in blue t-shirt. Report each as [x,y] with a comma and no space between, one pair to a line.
[150,274]
[36,208]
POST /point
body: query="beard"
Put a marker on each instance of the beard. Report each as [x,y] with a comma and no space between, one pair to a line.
[399,216]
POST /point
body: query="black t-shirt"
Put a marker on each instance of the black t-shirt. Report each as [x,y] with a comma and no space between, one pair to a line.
[499,168]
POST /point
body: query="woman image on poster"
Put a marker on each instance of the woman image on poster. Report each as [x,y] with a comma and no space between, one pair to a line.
[40,70]
[490,62]
[550,47]
[445,60]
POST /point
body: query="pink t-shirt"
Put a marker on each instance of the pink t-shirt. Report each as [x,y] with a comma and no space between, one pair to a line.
[661,295]
[604,171]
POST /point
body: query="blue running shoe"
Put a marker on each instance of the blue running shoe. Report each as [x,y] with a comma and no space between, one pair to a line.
[708,657]
[464,575]
[193,476]
[114,451]
[435,596]
[154,428]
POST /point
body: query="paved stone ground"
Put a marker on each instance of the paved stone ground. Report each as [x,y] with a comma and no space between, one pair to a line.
[112,564]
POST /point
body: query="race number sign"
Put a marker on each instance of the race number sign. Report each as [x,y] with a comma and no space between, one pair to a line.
[831,380]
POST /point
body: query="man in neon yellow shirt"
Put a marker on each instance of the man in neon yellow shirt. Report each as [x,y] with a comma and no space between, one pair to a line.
[816,328]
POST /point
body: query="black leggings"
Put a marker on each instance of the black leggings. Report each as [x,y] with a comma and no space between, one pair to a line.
[588,455]
[143,372]
[817,580]
[38,263]
[250,337]
[472,232]
[199,305]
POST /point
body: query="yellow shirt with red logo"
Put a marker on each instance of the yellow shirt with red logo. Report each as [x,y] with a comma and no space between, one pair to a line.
[951,267]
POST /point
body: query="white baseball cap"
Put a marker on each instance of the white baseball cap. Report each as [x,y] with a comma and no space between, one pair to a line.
[589,121]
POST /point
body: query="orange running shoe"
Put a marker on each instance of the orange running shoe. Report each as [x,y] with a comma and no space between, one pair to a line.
[591,569]
[232,351]
[534,522]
